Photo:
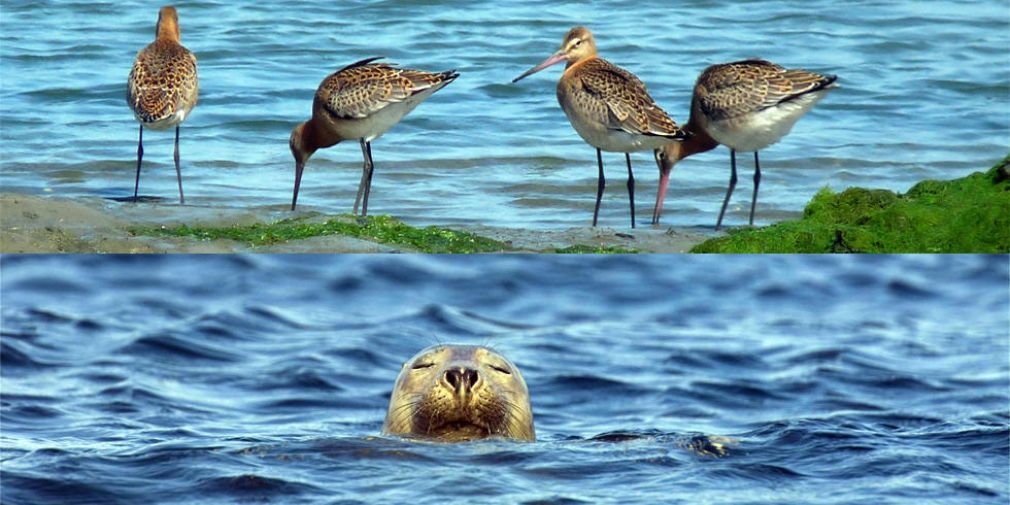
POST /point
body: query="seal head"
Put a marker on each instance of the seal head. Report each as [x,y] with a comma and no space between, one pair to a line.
[455,393]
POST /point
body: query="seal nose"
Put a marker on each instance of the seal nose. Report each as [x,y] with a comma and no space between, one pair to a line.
[461,379]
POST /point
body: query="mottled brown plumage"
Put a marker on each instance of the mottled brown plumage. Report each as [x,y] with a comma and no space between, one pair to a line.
[747,106]
[608,106]
[736,89]
[162,88]
[363,88]
[360,102]
[597,91]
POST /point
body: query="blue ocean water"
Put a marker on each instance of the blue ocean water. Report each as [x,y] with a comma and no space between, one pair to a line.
[265,379]
[925,94]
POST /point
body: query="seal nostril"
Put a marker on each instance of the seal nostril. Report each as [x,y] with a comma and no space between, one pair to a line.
[470,375]
[453,377]
[461,378]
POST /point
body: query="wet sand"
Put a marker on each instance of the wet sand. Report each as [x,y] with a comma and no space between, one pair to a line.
[36,224]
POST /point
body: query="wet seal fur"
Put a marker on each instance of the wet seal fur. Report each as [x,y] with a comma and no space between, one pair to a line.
[455,393]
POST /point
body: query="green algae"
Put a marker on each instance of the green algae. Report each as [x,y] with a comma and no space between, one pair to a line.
[966,215]
[588,249]
[379,229]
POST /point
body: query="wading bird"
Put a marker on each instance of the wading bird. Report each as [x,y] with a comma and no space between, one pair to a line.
[746,106]
[360,102]
[608,106]
[162,88]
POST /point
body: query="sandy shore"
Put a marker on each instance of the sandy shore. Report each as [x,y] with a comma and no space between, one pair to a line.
[33,224]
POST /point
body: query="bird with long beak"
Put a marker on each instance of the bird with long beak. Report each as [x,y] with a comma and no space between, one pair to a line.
[162,88]
[608,106]
[746,106]
[361,102]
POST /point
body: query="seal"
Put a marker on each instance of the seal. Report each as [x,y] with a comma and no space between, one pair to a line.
[455,393]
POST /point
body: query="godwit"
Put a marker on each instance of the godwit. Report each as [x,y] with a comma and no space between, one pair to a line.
[747,106]
[608,106]
[162,87]
[361,101]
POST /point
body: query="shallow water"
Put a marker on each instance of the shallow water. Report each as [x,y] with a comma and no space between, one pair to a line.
[265,378]
[925,94]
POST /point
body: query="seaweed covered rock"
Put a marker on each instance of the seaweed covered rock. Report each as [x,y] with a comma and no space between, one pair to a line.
[966,215]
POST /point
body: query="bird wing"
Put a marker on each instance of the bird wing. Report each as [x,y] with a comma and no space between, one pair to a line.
[733,89]
[162,81]
[363,88]
[625,101]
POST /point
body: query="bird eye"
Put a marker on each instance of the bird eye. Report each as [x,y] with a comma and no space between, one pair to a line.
[422,365]
[501,369]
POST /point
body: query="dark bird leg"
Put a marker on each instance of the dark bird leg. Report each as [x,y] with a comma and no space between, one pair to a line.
[140,156]
[178,172]
[601,182]
[364,176]
[729,191]
[367,150]
[757,182]
[631,188]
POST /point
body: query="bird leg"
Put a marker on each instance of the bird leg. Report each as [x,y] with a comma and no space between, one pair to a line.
[364,177]
[601,182]
[368,186]
[729,191]
[631,188]
[757,182]
[178,172]
[140,156]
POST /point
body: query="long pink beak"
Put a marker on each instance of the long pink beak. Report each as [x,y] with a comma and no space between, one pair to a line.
[664,181]
[557,57]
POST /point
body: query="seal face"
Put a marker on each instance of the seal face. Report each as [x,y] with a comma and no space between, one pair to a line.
[454,393]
